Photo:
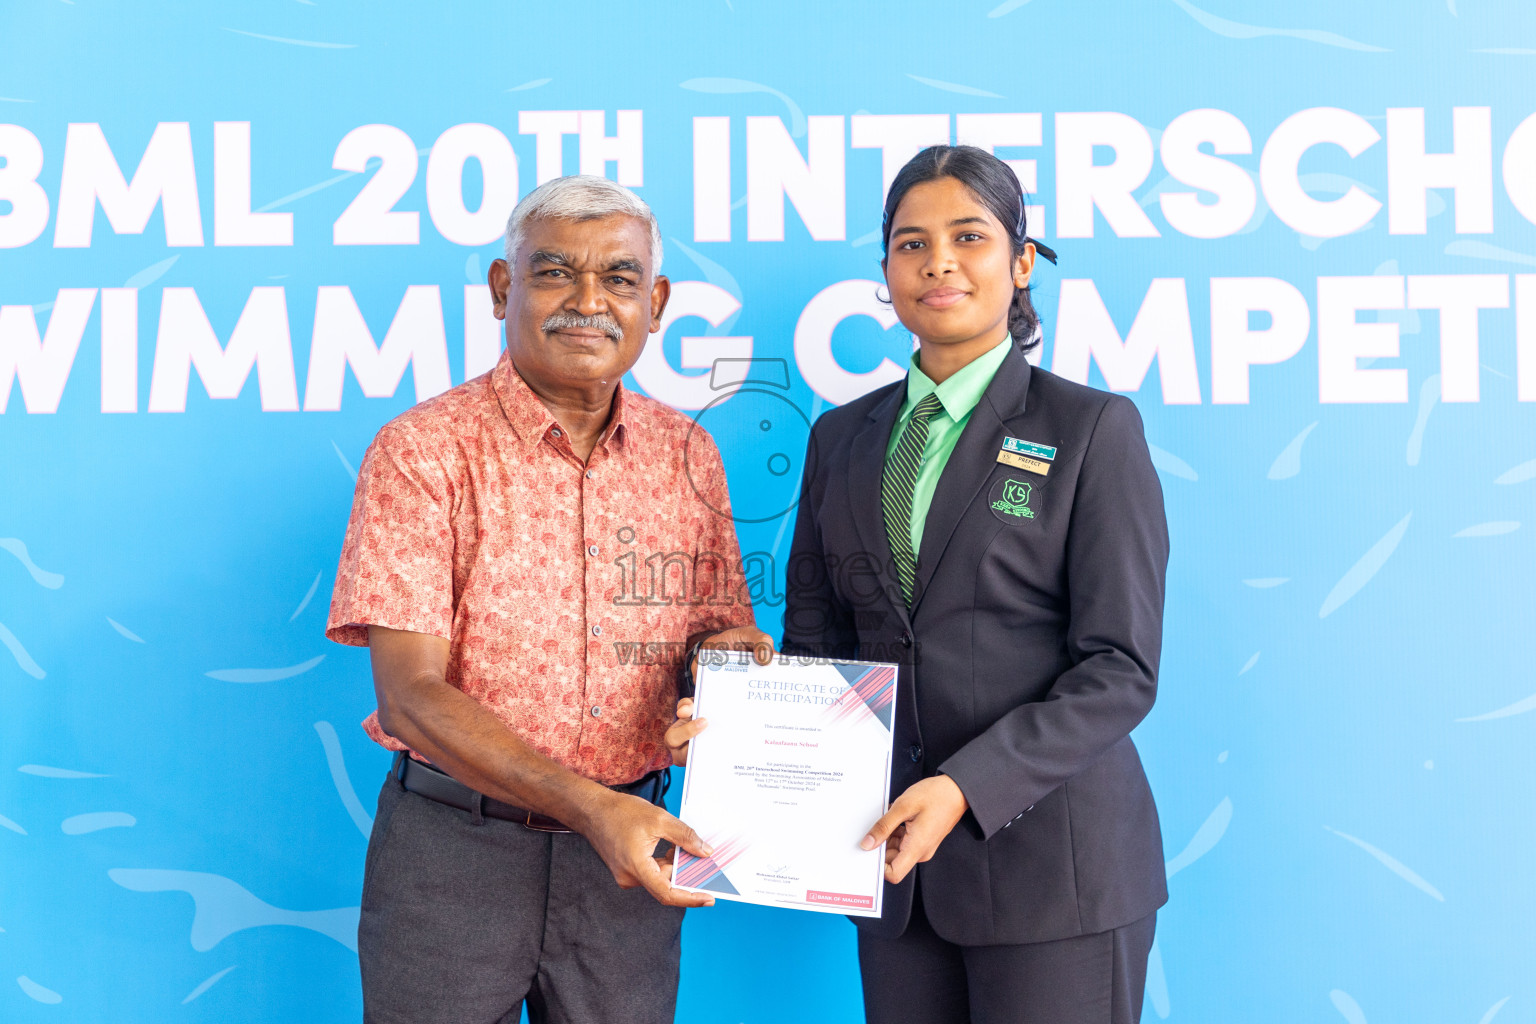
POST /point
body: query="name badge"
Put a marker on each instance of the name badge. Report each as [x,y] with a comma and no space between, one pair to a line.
[1039,451]
[1023,462]
[1026,455]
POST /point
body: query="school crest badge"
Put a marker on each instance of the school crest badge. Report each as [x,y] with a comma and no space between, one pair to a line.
[1010,499]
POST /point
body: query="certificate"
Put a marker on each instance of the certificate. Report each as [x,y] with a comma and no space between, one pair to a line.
[793,770]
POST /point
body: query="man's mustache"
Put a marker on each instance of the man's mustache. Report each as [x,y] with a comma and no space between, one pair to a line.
[566,320]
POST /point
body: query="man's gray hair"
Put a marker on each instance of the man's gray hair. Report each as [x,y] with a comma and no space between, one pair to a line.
[581,197]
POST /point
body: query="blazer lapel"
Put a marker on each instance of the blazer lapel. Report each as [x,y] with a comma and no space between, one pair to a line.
[866,471]
[970,463]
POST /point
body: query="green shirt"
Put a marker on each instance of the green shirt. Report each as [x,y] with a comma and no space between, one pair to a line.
[959,396]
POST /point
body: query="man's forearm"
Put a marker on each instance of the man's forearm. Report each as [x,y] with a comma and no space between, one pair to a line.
[456,733]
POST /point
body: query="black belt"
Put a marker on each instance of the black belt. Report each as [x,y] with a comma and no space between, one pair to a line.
[433,783]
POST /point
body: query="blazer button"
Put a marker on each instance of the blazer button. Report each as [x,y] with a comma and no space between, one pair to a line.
[915,752]
[905,638]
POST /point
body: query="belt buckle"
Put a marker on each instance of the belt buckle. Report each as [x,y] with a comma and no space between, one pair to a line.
[533,826]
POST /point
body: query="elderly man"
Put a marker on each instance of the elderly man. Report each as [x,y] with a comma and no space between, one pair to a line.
[489,566]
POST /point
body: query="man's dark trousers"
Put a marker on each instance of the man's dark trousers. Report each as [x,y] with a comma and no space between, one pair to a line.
[463,920]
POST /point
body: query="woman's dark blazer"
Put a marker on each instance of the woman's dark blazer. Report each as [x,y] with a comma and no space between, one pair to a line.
[1029,654]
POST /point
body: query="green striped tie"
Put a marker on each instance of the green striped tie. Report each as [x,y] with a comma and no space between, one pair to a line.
[897,487]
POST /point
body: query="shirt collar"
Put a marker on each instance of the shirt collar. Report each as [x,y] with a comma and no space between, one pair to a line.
[963,390]
[531,419]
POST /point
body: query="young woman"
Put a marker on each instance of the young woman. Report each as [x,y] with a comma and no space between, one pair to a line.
[999,532]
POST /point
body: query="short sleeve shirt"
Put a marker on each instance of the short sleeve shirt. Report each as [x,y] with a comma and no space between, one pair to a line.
[567,591]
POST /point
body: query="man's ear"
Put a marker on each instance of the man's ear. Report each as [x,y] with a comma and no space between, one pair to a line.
[661,291]
[499,277]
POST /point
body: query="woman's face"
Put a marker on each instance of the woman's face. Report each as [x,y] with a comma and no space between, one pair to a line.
[949,265]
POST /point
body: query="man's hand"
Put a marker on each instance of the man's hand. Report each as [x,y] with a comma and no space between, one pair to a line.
[916,824]
[740,638]
[743,638]
[625,831]
[681,732]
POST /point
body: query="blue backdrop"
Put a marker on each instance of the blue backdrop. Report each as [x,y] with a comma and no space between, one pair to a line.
[1335,359]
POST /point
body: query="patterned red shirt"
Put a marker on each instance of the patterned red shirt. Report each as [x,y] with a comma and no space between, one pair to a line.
[566,591]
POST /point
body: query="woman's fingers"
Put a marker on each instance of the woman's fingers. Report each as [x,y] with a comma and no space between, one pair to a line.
[899,814]
[924,815]
[893,844]
[918,843]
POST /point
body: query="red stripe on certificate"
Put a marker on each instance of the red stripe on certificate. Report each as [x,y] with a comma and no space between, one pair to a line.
[872,691]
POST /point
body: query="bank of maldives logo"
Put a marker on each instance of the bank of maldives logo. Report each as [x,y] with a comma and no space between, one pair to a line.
[1014,500]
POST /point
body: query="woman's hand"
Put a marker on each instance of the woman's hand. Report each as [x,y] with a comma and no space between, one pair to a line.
[916,824]
[681,732]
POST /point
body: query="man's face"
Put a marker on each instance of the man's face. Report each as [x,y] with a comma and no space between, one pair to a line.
[579,299]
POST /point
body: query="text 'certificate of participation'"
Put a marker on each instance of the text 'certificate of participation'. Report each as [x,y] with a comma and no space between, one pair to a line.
[788,778]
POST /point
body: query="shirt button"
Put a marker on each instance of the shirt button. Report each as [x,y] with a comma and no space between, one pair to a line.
[592,550]
[555,432]
[590,474]
[597,630]
[597,712]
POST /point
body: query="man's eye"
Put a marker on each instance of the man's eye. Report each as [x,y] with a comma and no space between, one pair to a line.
[620,282]
[913,244]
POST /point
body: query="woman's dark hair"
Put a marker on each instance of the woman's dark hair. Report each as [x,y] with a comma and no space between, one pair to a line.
[993,183]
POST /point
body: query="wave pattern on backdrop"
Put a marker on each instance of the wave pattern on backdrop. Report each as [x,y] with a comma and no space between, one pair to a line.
[1302,238]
